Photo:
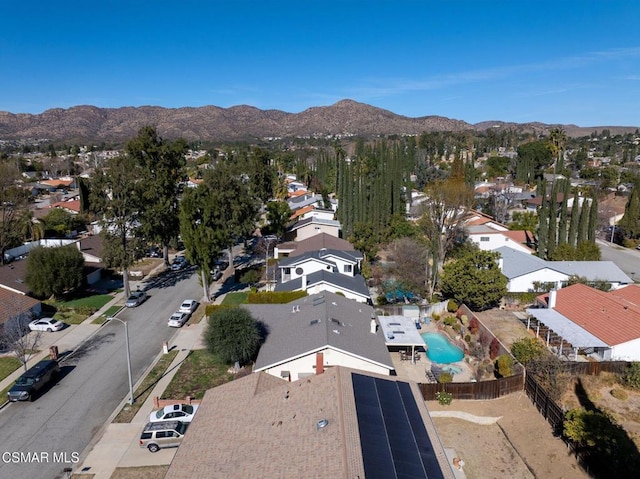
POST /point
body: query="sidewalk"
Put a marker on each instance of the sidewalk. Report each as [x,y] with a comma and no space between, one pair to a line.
[117,444]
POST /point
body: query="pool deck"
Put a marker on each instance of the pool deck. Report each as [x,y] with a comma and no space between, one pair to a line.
[417,371]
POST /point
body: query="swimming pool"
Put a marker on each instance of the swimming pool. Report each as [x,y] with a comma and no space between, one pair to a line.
[440,350]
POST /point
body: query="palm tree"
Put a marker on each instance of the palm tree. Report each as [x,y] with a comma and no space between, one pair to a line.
[31,229]
[558,139]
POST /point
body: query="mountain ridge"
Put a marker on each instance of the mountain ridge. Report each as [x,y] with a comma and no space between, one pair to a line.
[245,122]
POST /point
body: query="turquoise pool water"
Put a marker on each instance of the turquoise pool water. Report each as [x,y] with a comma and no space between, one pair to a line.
[440,350]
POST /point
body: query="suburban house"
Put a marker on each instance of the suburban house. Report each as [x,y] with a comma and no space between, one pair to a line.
[318,332]
[314,225]
[602,325]
[12,275]
[489,238]
[312,211]
[16,305]
[312,243]
[342,423]
[524,271]
[324,270]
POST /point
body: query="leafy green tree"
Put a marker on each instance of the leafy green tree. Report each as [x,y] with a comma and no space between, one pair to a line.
[61,223]
[278,216]
[564,252]
[116,199]
[497,166]
[533,158]
[592,226]
[527,349]
[233,335]
[162,167]
[365,240]
[543,226]
[524,221]
[54,271]
[475,280]
[262,176]
[631,376]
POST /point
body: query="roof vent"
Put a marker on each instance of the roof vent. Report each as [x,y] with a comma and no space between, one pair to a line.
[322,423]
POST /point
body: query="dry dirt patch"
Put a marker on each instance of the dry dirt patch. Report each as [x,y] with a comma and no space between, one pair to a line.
[520,445]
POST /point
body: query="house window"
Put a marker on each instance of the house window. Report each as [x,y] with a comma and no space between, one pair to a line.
[348,268]
[484,238]
[287,270]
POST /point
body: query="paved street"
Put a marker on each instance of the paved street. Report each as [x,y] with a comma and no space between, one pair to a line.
[59,425]
[628,260]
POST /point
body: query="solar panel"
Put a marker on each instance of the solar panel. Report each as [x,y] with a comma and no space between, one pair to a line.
[394,440]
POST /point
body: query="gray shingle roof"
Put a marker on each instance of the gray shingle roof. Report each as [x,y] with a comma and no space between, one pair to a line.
[516,263]
[295,332]
[355,284]
[323,255]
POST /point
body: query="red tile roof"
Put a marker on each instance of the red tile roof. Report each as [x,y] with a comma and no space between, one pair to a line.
[613,317]
[73,205]
[302,211]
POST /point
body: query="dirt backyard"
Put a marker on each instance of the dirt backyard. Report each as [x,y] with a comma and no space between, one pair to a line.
[520,444]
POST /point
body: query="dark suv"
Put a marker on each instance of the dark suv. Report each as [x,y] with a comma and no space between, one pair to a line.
[30,383]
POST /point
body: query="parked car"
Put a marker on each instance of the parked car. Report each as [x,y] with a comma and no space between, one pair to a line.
[174,412]
[178,319]
[179,262]
[136,299]
[46,324]
[188,306]
[154,252]
[157,435]
[30,383]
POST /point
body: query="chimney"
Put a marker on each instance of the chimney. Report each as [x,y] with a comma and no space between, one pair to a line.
[319,363]
[304,282]
[552,299]
[374,326]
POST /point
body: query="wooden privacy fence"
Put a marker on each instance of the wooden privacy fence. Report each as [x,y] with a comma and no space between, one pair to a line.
[544,404]
[476,390]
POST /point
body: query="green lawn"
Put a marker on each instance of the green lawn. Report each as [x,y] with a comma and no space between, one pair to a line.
[236,298]
[142,393]
[199,371]
[94,302]
[8,365]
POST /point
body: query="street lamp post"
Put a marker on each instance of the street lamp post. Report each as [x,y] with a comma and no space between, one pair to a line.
[126,337]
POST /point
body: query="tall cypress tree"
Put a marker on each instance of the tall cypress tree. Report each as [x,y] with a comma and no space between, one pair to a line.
[543,226]
[630,220]
[593,220]
[572,239]
[583,223]
[562,226]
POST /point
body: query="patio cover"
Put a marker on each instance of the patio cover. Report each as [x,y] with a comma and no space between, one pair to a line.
[577,336]
[400,331]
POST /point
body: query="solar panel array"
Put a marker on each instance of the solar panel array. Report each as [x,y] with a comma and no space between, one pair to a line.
[394,440]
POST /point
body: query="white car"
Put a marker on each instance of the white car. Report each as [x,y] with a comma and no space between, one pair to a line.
[46,324]
[177,319]
[179,262]
[174,412]
[136,299]
[188,306]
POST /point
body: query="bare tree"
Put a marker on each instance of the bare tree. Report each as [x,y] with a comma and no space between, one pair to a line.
[19,339]
[442,218]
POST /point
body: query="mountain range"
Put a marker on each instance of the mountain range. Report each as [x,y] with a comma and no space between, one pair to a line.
[212,123]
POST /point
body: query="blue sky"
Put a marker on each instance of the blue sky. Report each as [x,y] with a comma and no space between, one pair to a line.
[572,61]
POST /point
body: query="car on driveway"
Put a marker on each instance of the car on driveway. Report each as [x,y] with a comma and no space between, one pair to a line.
[46,324]
[136,299]
[174,412]
[188,306]
[179,262]
[178,319]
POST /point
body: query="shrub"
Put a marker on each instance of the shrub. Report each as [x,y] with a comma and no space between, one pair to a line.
[465,319]
[467,338]
[444,398]
[476,350]
[485,339]
[275,297]
[504,365]
[631,376]
[445,378]
[435,317]
[381,300]
[452,306]
[527,349]
[450,321]
[474,325]
[620,394]
[494,348]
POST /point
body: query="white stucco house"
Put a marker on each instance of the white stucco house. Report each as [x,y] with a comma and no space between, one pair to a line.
[524,270]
